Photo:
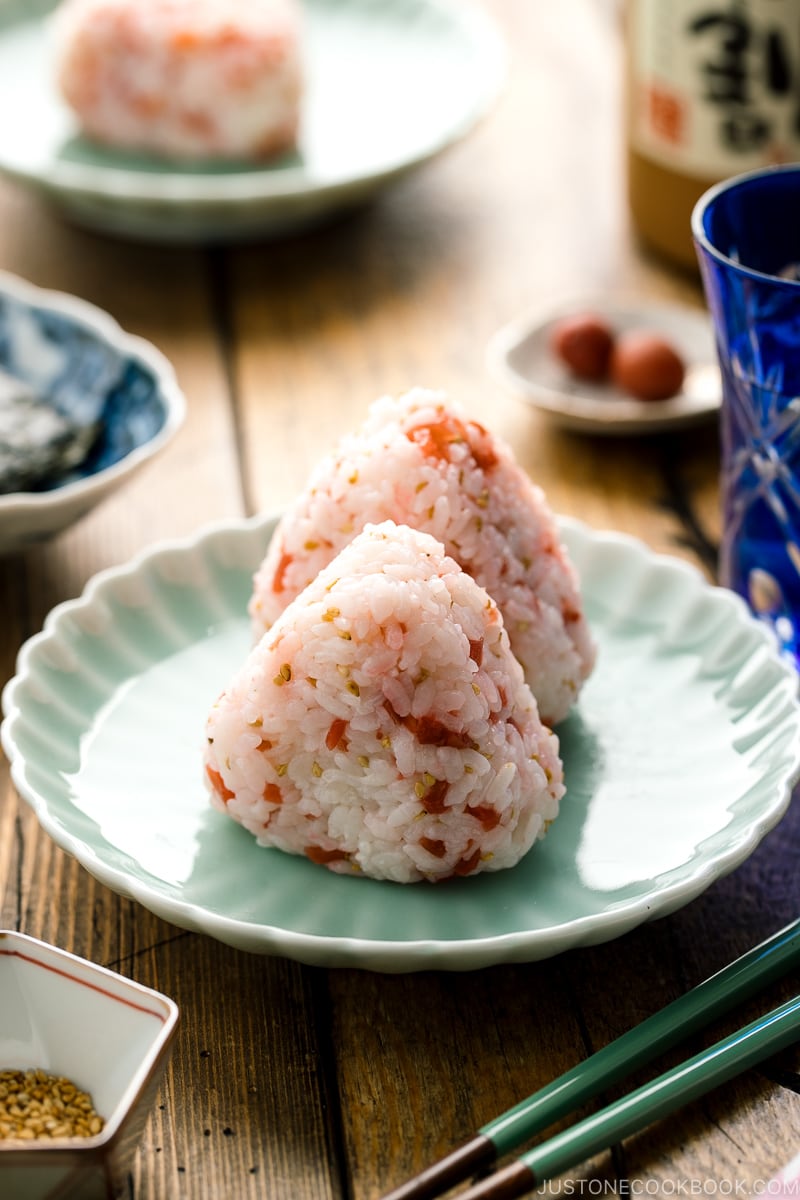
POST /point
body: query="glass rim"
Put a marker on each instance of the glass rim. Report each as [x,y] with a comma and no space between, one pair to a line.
[703,242]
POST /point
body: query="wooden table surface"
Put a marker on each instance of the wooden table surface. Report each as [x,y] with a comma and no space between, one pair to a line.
[301,1083]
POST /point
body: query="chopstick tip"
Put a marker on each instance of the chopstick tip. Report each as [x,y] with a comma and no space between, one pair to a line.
[509,1183]
[474,1156]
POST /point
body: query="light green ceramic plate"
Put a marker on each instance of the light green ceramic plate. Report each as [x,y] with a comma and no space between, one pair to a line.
[390,84]
[679,757]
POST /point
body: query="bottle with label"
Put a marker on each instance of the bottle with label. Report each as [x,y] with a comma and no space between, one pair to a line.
[713,89]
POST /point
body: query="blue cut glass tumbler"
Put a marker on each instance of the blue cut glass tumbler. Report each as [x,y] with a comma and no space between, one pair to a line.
[747,236]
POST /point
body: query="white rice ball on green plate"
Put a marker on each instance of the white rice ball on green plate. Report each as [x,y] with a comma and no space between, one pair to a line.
[382,726]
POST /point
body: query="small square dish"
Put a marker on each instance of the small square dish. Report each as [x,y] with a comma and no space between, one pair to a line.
[106,1034]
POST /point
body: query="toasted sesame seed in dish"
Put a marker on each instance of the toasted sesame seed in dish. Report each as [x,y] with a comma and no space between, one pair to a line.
[82,1054]
[38,1104]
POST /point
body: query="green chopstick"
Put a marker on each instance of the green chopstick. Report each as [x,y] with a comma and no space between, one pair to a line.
[633,1112]
[736,982]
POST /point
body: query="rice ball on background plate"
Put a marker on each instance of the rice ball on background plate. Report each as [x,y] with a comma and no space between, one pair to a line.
[418,460]
[383,727]
[184,79]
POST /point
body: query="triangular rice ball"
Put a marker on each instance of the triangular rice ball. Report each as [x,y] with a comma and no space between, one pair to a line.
[419,461]
[382,726]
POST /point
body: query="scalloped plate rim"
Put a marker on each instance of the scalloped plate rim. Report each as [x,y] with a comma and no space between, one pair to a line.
[396,956]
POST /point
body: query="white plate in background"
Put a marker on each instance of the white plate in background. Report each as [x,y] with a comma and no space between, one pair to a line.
[390,85]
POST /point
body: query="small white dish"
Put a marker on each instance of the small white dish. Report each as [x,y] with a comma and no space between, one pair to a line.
[679,756]
[390,86]
[107,1034]
[78,357]
[521,358]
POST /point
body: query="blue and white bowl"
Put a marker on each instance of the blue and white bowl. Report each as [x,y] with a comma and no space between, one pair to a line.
[78,358]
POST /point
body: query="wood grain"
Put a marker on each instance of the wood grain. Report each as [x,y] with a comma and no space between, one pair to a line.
[299,1083]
